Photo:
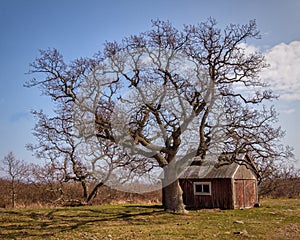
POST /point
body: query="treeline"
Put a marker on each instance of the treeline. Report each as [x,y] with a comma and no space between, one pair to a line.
[23,184]
[30,185]
[70,194]
[279,179]
[280,187]
[67,194]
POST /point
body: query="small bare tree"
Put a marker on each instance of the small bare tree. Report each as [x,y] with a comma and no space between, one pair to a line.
[15,170]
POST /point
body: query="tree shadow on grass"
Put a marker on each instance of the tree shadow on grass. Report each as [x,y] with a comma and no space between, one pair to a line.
[145,206]
[42,224]
[19,224]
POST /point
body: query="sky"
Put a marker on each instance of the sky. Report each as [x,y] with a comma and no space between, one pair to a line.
[79,28]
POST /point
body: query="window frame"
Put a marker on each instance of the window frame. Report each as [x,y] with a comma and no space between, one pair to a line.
[202,193]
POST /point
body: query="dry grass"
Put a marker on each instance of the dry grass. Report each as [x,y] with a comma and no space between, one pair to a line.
[275,219]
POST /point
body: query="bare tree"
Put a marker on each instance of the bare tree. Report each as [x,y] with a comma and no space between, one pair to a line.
[169,95]
[15,170]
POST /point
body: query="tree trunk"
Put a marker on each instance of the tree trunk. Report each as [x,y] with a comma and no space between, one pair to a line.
[94,192]
[172,194]
[85,189]
[13,193]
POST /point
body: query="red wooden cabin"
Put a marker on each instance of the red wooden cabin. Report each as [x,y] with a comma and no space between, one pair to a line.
[207,184]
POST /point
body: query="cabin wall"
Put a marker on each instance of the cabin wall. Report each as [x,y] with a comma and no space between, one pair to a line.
[221,194]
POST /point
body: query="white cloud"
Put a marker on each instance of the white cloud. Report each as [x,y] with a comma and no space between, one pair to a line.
[284,71]
[289,111]
[249,49]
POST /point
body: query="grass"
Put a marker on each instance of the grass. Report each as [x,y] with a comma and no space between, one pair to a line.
[275,219]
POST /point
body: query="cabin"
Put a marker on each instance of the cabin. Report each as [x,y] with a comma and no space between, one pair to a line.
[211,184]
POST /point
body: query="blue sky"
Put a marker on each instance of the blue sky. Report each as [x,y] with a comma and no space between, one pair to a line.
[80,27]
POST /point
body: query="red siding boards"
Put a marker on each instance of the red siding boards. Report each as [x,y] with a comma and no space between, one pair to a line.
[221,194]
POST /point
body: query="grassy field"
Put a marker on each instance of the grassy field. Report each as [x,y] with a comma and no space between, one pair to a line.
[275,219]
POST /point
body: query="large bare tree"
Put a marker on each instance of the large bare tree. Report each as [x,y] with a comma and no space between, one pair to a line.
[169,95]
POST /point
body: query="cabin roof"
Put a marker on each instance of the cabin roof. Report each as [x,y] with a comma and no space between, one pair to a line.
[211,168]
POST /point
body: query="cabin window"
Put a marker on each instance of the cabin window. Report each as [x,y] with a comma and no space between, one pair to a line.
[202,188]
